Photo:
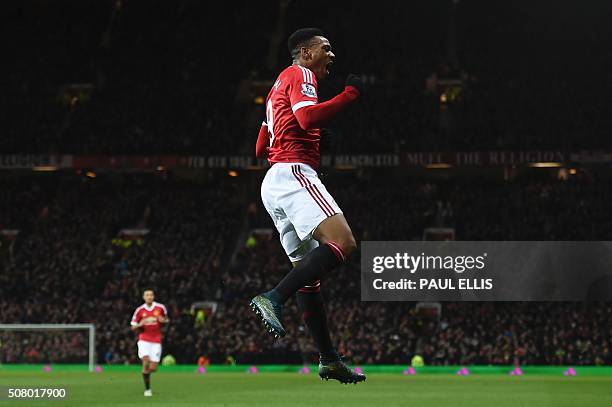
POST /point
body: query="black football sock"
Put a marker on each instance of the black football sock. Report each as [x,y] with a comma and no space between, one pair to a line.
[314,266]
[310,305]
[147,380]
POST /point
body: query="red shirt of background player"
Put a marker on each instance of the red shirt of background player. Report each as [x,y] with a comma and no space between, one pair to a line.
[151,331]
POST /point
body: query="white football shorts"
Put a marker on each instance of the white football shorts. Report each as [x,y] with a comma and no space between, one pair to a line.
[151,349]
[298,202]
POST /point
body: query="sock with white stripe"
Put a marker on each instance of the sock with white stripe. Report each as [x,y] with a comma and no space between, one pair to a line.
[315,265]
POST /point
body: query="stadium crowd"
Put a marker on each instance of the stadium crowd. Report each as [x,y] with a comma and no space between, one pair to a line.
[529,82]
[70,264]
[125,78]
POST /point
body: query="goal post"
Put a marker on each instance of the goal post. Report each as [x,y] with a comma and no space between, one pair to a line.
[60,327]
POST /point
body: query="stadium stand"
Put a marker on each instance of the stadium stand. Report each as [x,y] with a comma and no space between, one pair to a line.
[68,265]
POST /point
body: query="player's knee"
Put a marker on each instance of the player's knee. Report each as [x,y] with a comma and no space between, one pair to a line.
[336,232]
[153,368]
[348,244]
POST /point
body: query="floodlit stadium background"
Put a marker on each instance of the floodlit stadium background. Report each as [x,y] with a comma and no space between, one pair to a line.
[127,160]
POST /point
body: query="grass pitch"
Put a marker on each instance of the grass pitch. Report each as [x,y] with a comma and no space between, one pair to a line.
[291,389]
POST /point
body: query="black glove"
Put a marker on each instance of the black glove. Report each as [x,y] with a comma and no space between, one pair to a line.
[326,144]
[357,82]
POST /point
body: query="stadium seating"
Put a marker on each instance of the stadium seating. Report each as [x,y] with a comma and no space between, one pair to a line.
[64,267]
[172,84]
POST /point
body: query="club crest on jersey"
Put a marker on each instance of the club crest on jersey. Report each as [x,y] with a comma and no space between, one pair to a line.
[309,90]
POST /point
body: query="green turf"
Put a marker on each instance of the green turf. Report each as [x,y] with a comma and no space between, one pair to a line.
[291,389]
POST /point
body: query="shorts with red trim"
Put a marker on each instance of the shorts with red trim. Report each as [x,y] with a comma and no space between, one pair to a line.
[298,202]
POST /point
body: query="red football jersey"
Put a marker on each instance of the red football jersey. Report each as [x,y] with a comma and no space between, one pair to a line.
[295,88]
[152,327]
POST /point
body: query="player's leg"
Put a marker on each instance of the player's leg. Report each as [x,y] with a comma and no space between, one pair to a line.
[310,303]
[314,213]
[336,231]
[155,351]
[154,355]
[312,308]
[145,353]
[145,364]
[334,234]
[146,375]
[337,243]
[272,187]
[296,193]
[271,312]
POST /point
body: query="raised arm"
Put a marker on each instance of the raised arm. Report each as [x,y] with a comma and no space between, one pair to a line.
[316,115]
[312,115]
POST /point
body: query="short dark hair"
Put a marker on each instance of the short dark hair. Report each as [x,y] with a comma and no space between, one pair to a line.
[148,289]
[301,38]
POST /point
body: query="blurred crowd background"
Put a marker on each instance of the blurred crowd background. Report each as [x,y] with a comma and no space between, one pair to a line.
[173,77]
[209,242]
[135,77]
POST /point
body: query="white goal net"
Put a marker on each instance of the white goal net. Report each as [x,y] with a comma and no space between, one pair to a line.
[48,343]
